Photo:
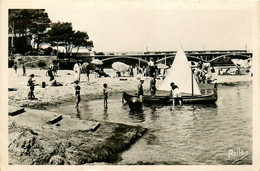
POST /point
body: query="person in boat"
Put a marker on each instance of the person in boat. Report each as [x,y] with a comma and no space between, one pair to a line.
[176,95]
[105,93]
[77,93]
[140,90]
[215,83]
[153,86]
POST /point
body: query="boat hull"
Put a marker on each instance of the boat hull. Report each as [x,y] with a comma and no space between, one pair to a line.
[168,100]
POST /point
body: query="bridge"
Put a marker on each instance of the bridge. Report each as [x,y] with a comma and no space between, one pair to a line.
[216,57]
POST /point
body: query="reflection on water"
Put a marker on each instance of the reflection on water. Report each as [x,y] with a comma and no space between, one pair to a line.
[137,115]
[188,134]
[78,113]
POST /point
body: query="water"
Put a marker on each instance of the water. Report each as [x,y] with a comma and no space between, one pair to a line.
[189,134]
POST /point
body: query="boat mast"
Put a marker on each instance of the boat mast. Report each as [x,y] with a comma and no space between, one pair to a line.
[192,82]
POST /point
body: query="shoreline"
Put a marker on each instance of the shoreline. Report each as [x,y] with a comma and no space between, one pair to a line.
[55,146]
[53,96]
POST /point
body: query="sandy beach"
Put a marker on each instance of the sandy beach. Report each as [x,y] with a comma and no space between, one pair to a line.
[53,95]
[89,90]
[28,132]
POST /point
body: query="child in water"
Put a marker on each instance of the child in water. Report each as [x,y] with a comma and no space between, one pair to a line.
[77,93]
[105,92]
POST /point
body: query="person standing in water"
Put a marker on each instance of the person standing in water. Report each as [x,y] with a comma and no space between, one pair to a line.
[176,95]
[105,93]
[77,93]
[140,90]
[153,86]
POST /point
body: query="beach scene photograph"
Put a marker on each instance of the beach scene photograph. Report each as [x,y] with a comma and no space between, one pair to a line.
[130,84]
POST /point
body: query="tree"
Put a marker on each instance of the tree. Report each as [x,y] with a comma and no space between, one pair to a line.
[62,34]
[81,40]
[31,23]
[37,28]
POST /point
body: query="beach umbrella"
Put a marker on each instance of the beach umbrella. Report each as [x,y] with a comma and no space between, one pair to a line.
[85,64]
[120,66]
[97,62]
[162,66]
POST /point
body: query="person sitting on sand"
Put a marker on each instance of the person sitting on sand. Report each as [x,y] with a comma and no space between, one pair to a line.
[53,82]
[77,93]
[176,95]
[31,85]
[140,90]
[105,93]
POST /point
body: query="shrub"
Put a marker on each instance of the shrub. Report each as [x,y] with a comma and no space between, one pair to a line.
[41,64]
[10,63]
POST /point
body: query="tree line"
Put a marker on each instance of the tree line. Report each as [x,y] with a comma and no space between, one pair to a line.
[36,25]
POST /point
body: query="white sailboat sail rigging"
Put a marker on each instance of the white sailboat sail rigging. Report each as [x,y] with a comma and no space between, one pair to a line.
[180,74]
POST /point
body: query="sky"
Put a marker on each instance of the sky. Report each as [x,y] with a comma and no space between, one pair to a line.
[158,29]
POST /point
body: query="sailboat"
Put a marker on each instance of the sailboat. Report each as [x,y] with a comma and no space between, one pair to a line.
[181,74]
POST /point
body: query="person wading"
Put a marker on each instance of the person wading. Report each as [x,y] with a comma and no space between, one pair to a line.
[77,93]
[140,90]
[153,86]
[176,95]
[105,93]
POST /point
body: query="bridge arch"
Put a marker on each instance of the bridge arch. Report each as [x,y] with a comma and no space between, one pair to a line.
[188,56]
[126,59]
[231,55]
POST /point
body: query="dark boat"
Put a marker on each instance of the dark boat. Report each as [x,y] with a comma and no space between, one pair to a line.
[168,100]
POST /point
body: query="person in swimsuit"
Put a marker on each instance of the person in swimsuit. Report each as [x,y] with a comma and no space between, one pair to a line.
[77,93]
[176,95]
[140,90]
[105,93]
[31,85]
[153,86]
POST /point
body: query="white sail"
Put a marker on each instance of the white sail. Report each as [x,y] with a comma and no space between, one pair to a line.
[180,74]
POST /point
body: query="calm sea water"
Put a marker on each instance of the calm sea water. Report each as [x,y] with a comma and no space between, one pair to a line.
[185,135]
